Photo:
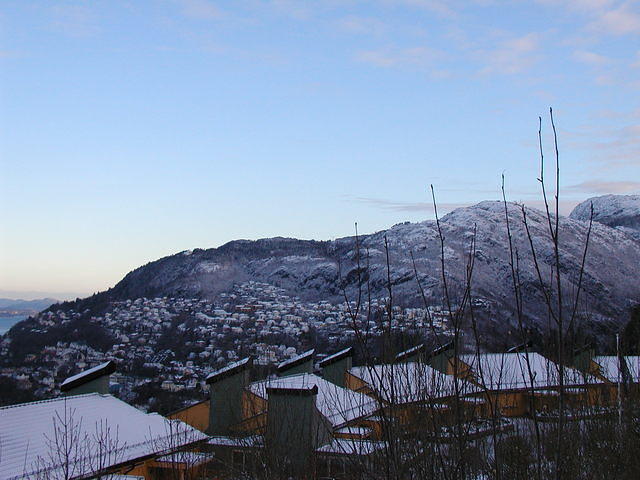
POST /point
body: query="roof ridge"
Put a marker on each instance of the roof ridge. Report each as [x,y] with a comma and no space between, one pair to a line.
[51,400]
[93,373]
[293,361]
[281,379]
[344,353]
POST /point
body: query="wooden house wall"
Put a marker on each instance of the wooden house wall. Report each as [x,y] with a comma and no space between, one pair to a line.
[196,415]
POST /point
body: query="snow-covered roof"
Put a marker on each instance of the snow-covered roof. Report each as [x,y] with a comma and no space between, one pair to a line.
[190,459]
[409,382]
[298,359]
[410,352]
[336,357]
[610,367]
[229,370]
[88,375]
[339,405]
[251,441]
[27,437]
[346,446]
[506,371]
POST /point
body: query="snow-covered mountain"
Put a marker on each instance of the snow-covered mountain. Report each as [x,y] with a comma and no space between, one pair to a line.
[327,270]
[618,211]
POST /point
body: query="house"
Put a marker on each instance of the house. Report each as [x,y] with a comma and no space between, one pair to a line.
[297,419]
[196,415]
[334,367]
[620,374]
[66,433]
[95,379]
[611,369]
[87,432]
[412,391]
[337,405]
[520,383]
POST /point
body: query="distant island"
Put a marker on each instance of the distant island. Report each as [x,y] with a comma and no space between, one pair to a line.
[13,310]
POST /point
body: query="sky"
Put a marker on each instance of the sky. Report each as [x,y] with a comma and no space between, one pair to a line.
[132,130]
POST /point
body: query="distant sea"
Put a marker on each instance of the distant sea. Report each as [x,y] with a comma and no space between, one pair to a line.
[7,322]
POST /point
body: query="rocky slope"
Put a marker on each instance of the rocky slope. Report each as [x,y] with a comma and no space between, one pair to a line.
[618,211]
[327,270]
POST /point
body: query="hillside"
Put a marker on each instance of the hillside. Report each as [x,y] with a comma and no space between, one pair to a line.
[172,321]
[324,270]
[618,211]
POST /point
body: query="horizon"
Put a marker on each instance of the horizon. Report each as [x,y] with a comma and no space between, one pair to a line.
[136,131]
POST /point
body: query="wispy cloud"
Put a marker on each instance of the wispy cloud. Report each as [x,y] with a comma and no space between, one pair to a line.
[399,57]
[622,20]
[294,8]
[604,187]
[589,5]
[609,70]
[566,205]
[591,58]
[200,9]
[512,56]
[439,7]
[9,54]
[361,25]
[610,147]
[631,115]
[585,6]
[401,206]
[74,19]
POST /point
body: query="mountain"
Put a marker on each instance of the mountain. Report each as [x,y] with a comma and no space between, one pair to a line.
[327,270]
[618,211]
[10,304]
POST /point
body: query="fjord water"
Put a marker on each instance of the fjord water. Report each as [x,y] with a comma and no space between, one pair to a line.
[9,321]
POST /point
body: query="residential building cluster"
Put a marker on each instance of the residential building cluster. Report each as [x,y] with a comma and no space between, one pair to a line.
[313,419]
[173,343]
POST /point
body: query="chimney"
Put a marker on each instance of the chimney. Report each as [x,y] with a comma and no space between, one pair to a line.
[303,363]
[583,359]
[295,428]
[440,358]
[225,392]
[415,354]
[94,380]
[335,366]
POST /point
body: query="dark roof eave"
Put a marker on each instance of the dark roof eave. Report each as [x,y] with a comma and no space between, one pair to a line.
[301,392]
[229,372]
[418,349]
[347,352]
[304,358]
[108,369]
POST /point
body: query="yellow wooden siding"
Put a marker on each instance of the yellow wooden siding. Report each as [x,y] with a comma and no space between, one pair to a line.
[195,415]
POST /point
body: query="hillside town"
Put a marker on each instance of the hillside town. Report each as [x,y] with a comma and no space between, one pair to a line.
[171,344]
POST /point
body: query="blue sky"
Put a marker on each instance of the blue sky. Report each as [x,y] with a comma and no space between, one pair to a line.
[130,130]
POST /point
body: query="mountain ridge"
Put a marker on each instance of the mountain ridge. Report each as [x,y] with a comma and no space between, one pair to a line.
[26,305]
[327,270]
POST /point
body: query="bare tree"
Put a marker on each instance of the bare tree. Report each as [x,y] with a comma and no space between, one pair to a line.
[75,451]
[177,455]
